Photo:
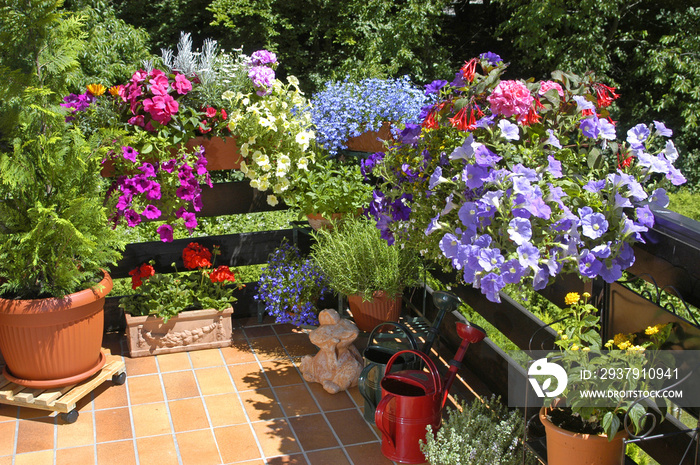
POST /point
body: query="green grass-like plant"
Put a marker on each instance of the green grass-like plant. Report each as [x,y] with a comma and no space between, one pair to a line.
[356,260]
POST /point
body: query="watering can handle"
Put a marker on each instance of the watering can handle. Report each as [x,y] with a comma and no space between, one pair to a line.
[379,419]
[361,382]
[401,327]
[434,373]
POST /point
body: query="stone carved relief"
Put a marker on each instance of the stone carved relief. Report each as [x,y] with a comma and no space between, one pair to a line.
[181,338]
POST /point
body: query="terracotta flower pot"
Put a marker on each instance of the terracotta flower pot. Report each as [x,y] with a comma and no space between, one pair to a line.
[370,141]
[221,153]
[568,448]
[368,314]
[190,330]
[49,343]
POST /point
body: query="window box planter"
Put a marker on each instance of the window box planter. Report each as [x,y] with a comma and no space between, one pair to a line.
[190,330]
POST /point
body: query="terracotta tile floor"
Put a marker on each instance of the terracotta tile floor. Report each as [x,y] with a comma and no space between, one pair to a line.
[245,404]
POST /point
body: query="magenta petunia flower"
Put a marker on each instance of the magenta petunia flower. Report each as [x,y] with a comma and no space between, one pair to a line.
[132,218]
[129,153]
[166,232]
[151,212]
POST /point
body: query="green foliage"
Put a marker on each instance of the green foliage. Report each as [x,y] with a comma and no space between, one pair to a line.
[166,295]
[686,202]
[113,49]
[55,234]
[321,40]
[329,187]
[356,260]
[41,45]
[479,432]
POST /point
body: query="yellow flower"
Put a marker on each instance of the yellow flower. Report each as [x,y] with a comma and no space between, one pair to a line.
[651,330]
[586,349]
[564,337]
[574,347]
[571,298]
[620,338]
[96,89]
[586,295]
[624,345]
[114,90]
[609,344]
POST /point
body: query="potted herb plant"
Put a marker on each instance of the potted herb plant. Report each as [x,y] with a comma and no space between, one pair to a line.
[479,432]
[581,429]
[345,111]
[360,264]
[328,189]
[290,286]
[178,312]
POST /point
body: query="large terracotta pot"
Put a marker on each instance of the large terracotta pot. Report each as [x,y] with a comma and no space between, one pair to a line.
[49,343]
[368,314]
[569,448]
[190,330]
[370,141]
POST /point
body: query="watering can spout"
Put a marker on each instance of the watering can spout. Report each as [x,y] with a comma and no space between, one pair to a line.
[470,334]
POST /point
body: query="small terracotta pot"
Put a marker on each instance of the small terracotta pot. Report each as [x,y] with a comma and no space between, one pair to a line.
[568,448]
[371,141]
[49,343]
[221,153]
[368,314]
[317,221]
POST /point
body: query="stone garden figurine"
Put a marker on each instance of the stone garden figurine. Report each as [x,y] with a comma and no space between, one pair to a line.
[338,363]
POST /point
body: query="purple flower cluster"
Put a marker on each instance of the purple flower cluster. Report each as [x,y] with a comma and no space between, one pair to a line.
[290,286]
[261,72]
[141,195]
[346,109]
[502,197]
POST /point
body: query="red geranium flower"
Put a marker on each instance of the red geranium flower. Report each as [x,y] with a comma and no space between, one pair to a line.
[222,274]
[137,274]
[196,256]
[211,112]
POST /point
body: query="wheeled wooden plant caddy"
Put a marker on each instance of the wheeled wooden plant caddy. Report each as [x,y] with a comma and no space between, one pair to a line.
[62,400]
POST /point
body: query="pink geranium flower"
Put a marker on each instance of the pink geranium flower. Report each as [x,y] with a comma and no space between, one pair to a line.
[510,98]
[549,85]
[182,85]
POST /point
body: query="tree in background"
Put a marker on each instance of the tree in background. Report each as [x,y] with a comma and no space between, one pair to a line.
[320,40]
[649,50]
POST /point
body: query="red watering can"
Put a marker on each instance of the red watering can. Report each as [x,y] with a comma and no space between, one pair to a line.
[413,399]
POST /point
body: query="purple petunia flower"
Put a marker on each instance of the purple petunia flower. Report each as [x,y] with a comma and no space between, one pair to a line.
[491,285]
[519,230]
[411,133]
[512,271]
[132,218]
[468,214]
[594,225]
[509,130]
[472,176]
[435,86]
[129,153]
[541,278]
[166,232]
[645,216]
[552,139]
[554,167]
[492,58]
[595,186]
[588,265]
[612,274]
[151,212]
[486,157]
[637,135]
[435,178]
[490,259]
[662,129]
[528,255]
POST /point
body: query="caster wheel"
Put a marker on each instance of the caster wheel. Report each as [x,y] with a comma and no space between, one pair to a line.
[119,378]
[70,417]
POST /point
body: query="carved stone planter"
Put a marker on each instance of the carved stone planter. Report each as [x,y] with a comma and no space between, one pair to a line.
[190,330]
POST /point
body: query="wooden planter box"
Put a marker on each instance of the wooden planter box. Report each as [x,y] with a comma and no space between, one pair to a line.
[191,330]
